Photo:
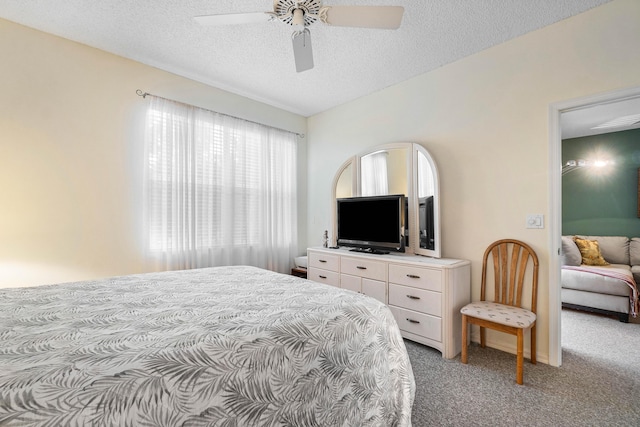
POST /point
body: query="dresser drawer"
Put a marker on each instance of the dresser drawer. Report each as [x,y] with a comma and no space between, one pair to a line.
[375,289]
[416,299]
[353,283]
[416,277]
[364,268]
[324,261]
[324,276]
[418,323]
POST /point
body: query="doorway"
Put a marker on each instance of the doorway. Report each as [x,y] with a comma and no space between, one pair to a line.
[557,112]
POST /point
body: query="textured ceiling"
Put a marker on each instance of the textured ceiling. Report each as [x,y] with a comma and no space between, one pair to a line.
[256,60]
[585,121]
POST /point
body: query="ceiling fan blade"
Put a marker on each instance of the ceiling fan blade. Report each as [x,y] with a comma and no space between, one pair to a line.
[234,18]
[302,50]
[385,17]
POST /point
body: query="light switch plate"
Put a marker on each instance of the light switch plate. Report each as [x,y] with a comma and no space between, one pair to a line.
[535,221]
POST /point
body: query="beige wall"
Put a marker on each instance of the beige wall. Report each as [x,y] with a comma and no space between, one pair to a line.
[485,120]
[70,155]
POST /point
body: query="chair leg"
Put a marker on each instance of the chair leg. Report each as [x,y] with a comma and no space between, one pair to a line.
[463,354]
[520,357]
[533,344]
[483,337]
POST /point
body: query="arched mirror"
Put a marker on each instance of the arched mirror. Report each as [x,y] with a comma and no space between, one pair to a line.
[345,181]
[384,172]
[398,168]
[428,204]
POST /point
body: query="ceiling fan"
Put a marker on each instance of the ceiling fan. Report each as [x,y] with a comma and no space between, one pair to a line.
[302,13]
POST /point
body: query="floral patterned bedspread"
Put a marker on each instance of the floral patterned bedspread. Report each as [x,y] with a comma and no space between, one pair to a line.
[222,346]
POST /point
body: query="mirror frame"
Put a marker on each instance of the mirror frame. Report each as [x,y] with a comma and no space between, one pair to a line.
[413,151]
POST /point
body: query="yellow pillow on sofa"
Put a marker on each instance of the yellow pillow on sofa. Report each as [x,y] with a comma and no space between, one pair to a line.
[590,251]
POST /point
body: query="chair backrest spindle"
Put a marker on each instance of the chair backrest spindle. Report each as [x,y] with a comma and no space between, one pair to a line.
[515,254]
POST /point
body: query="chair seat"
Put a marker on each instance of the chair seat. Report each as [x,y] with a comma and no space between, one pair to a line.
[500,313]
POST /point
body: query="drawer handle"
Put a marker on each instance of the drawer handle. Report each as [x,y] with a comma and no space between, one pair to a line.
[322,260]
[412,321]
[413,276]
[361,267]
[322,277]
[413,297]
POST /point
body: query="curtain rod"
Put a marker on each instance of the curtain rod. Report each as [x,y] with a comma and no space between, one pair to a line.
[144,94]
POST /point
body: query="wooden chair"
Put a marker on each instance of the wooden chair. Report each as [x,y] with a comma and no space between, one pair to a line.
[505,313]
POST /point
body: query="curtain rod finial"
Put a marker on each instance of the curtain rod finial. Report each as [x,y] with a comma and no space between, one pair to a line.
[141,93]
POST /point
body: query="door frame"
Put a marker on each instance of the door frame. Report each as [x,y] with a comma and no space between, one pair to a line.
[555,204]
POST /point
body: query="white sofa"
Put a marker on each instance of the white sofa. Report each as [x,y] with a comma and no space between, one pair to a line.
[586,288]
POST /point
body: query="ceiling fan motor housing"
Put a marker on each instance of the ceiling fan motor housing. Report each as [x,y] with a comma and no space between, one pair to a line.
[284,10]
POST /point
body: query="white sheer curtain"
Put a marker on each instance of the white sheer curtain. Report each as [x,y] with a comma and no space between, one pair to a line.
[374,180]
[426,186]
[218,190]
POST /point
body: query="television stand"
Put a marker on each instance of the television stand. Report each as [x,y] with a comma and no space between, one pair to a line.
[369,251]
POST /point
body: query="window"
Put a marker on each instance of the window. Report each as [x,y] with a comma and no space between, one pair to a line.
[219,190]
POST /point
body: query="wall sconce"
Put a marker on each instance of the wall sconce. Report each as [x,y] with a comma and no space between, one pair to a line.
[572,165]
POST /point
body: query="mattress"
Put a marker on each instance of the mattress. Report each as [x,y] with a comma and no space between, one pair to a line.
[220,346]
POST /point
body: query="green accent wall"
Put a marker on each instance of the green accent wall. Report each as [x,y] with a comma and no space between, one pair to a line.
[602,201]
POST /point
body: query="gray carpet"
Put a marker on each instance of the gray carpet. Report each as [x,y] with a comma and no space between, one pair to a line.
[598,383]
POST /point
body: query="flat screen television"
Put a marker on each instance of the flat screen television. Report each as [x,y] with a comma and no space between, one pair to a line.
[372,224]
[427,226]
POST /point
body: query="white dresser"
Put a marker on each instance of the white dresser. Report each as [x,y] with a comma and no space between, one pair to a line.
[425,295]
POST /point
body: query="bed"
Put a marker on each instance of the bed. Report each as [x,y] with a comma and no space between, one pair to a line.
[222,346]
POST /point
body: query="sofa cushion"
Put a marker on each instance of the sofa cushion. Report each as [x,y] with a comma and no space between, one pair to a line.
[595,300]
[585,280]
[634,250]
[570,252]
[614,249]
[635,269]
[590,251]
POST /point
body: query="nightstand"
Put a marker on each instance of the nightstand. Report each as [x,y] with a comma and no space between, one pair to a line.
[299,272]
